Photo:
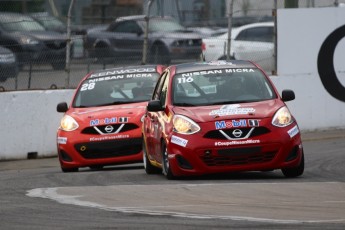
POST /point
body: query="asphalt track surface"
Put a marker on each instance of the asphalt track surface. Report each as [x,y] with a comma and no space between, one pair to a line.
[35,194]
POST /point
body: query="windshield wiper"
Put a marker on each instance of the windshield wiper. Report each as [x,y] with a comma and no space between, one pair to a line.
[230,102]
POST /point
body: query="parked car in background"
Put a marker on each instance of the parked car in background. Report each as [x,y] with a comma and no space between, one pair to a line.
[102,125]
[220,117]
[252,42]
[52,23]
[123,39]
[30,42]
[8,64]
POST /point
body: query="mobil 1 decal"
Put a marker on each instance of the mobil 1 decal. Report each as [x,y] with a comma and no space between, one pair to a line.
[325,64]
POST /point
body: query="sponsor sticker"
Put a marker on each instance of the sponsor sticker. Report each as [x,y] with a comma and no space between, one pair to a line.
[105,138]
[62,140]
[179,141]
[231,124]
[105,121]
[293,132]
[227,143]
[227,110]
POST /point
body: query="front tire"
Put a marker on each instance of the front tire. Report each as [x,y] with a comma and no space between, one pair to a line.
[294,171]
[165,163]
[149,168]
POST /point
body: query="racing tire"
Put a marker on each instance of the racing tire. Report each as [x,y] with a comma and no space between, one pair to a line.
[294,171]
[149,168]
[69,170]
[165,163]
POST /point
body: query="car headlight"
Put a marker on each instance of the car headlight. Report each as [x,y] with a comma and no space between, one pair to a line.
[184,125]
[282,117]
[28,41]
[68,123]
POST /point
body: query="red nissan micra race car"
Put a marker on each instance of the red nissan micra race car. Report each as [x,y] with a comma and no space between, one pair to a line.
[219,117]
[102,125]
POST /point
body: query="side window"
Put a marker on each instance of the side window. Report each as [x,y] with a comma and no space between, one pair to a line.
[260,34]
[159,86]
[126,27]
[164,91]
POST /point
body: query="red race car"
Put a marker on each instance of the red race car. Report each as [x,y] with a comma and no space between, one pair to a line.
[102,125]
[220,117]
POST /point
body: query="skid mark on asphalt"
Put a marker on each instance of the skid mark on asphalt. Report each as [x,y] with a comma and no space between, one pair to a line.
[314,202]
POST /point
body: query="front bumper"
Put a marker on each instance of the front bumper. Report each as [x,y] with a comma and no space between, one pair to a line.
[274,150]
[108,150]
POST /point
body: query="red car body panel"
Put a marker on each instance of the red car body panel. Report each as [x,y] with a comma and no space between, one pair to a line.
[106,135]
[262,147]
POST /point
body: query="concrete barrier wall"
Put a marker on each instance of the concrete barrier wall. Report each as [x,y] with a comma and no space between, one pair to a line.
[29,123]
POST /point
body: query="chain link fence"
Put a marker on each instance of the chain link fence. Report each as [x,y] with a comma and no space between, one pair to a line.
[33,36]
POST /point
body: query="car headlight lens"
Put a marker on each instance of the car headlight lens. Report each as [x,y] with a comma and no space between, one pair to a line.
[282,117]
[68,123]
[184,125]
[28,41]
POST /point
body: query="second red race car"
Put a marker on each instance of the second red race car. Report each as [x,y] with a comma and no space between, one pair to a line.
[102,125]
[220,117]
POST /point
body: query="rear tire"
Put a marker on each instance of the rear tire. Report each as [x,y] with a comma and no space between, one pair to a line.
[294,171]
[149,168]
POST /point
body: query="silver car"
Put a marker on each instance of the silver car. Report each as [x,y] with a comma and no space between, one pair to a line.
[123,39]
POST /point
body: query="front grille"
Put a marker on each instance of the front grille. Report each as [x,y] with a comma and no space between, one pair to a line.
[211,160]
[216,134]
[102,128]
[107,149]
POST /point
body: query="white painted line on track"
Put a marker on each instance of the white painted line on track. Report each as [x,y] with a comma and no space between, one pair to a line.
[258,202]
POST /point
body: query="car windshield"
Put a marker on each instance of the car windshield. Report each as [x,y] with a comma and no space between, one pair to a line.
[221,86]
[50,22]
[13,24]
[165,26]
[114,90]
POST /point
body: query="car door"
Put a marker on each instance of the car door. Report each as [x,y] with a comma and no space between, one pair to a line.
[126,39]
[255,44]
[151,121]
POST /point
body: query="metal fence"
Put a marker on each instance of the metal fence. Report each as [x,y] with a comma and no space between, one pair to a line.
[36,58]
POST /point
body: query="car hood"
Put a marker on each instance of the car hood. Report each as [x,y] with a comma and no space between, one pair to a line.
[262,109]
[129,111]
[180,34]
[42,35]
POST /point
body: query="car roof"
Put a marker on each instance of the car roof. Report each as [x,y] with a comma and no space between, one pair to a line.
[141,17]
[197,66]
[12,16]
[236,30]
[127,69]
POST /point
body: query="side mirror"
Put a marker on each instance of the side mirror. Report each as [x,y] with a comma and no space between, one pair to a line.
[288,95]
[62,107]
[154,106]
